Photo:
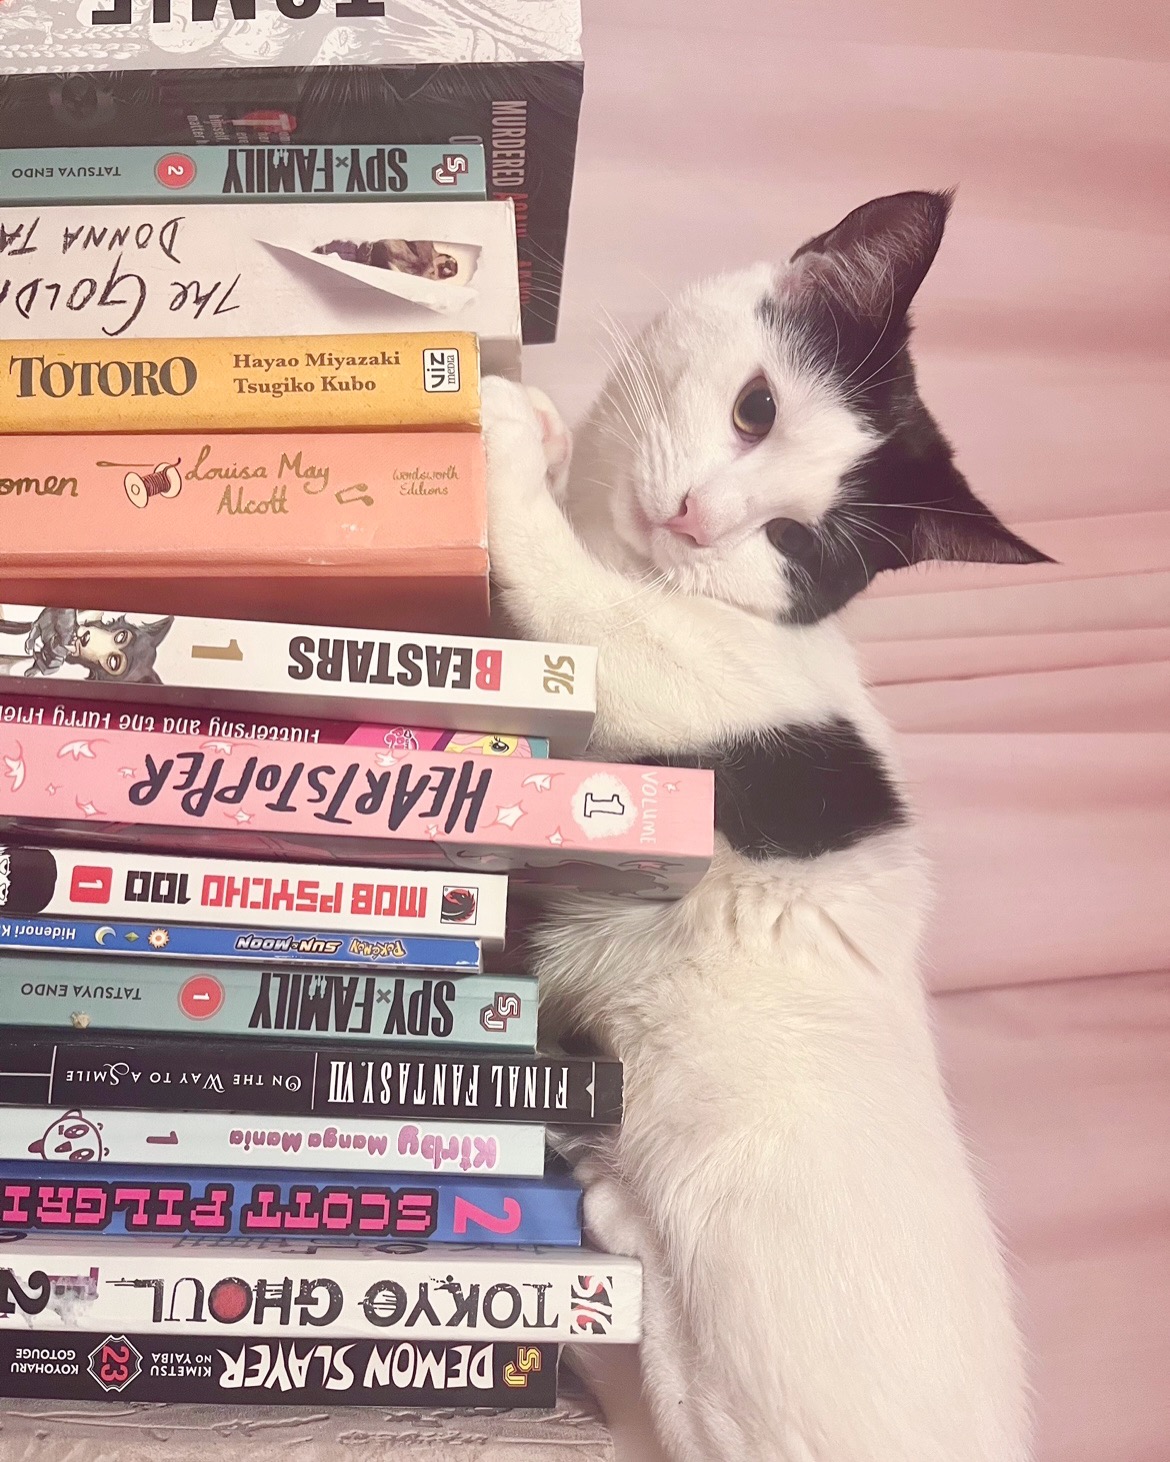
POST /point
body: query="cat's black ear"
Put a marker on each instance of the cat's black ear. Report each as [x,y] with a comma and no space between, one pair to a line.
[872,263]
[950,524]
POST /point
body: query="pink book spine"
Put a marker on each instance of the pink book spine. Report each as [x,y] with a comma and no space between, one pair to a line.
[623,829]
[71,714]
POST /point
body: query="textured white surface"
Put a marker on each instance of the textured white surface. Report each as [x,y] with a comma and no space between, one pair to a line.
[36,1431]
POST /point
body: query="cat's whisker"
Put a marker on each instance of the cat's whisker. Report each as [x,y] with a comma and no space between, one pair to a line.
[864,526]
[881,336]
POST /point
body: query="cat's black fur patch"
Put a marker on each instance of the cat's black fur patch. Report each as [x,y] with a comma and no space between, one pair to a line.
[843,312]
[799,792]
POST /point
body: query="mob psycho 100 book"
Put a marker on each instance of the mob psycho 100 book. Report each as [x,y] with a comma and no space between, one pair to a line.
[256,893]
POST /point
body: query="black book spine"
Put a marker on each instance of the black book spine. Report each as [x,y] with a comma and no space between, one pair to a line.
[294,1078]
[78,1366]
[525,114]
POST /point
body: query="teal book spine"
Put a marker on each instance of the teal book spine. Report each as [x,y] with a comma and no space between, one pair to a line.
[114,994]
[410,173]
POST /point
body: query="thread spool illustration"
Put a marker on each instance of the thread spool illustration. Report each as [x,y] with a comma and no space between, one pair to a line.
[164,481]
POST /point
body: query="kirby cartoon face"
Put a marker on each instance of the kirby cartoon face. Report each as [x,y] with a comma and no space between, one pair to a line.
[71,1138]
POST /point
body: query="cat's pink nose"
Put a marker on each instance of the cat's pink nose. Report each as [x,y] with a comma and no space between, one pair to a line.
[689,524]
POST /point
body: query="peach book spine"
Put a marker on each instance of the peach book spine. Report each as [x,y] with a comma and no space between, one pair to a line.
[278,383]
[79,507]
[643,831]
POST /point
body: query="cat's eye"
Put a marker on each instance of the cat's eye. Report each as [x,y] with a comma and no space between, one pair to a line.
[794,540]
[754,414]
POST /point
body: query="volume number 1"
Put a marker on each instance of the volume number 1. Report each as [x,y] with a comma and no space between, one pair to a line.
[230,651]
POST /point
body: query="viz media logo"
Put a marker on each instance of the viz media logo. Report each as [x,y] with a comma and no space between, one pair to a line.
[115,1363]
[176,170]
[440,370]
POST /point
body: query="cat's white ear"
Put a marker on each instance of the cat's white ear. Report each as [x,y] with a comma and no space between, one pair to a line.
[871,264]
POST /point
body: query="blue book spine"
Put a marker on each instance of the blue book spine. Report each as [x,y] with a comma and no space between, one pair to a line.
[418,172]
[342,1208]
[209,942]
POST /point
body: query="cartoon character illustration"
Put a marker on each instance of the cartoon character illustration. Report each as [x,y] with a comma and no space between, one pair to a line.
[490,745]
[109,649]
[406,256]
[71,1138]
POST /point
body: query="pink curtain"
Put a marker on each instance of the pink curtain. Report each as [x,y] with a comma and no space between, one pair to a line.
[1034,705]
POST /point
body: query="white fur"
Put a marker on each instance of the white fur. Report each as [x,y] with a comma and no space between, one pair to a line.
[821,1281]
[662,434]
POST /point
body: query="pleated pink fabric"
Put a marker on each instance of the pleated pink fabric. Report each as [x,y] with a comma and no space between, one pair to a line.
[1033,705]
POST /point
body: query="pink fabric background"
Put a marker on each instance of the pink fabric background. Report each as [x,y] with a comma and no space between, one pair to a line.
[1034,705]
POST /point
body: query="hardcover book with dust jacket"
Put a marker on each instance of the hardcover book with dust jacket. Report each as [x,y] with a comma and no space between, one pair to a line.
[166,270]
[369,528]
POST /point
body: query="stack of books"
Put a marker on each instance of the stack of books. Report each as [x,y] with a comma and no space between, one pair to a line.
[269,1130]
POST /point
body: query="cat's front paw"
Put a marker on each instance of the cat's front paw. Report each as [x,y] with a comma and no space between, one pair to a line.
[514,440]
[558,443]
[613,1218]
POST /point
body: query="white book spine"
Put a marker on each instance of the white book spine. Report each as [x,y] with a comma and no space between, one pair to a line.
[227,1139]
[514,687]
[254,893]
[243,1287]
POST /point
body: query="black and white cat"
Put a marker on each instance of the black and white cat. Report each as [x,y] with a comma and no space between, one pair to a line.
[822,1282]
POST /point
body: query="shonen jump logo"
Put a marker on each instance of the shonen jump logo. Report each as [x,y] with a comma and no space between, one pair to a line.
[115,1363]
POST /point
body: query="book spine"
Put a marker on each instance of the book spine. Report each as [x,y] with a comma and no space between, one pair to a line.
[525,113]
[327,1207]
[283,1078]
[400,1292]
[214,943]
[255,893]
[214,1139]
[70,714]
[356,504]
[181,1369]
[413,172]
[612,828]
[336,382]
[505,686]
[122,995]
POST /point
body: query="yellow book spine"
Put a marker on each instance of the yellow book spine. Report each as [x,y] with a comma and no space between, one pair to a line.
[329,382]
